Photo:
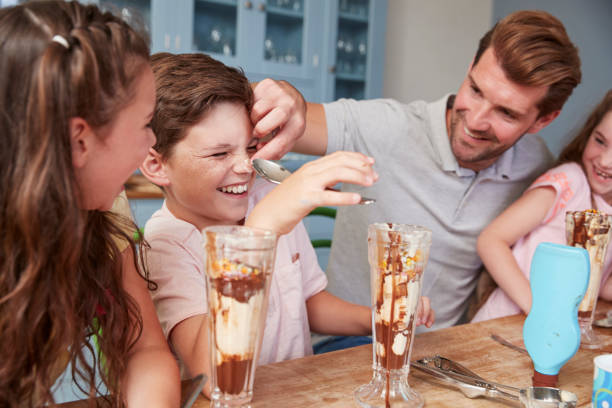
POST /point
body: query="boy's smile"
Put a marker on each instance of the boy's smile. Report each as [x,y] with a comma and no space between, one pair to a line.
[239,189]
[209,170]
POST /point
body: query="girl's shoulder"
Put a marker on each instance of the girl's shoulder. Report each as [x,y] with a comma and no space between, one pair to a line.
[571,187]
[566,175]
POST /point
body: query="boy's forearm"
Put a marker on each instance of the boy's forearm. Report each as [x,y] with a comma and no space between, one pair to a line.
[328,314]
[190,341]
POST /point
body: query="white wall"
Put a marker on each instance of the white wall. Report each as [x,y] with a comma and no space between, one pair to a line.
[588,25]
[430,44]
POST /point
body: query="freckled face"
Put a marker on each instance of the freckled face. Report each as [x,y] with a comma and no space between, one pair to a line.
[597,158]
[490,114]
[209,170]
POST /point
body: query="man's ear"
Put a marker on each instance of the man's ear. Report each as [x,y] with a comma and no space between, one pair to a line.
[543,121]
[82,139]
[154,170]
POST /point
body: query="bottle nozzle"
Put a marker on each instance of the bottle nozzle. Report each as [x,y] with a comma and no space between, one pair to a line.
[544,380]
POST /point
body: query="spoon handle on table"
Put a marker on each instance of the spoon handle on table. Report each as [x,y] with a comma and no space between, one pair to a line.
[506,343]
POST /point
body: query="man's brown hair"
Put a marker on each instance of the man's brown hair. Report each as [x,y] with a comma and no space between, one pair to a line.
[188,86]
[533,49]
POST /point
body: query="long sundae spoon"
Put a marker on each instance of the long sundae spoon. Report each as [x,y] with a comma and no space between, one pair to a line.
[276,173]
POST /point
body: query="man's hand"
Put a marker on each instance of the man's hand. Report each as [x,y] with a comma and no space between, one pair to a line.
[279,111]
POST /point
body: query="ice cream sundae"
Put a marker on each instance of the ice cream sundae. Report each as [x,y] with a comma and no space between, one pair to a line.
[236,300]
[397,254]
[589,230]
[238,272]
[398,289]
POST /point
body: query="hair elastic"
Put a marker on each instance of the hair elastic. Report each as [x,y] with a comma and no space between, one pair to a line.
[60,40]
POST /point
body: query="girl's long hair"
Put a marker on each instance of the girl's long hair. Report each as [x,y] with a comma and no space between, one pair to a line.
[60,266]
[574,150]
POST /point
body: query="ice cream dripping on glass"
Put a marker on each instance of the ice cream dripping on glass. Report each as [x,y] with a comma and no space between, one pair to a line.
[590,230]
[238,267]
[397,255]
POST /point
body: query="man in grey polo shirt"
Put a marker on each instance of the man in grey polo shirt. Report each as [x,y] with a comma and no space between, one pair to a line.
[451,165]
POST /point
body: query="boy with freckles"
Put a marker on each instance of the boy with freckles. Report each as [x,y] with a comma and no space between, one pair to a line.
[202,162]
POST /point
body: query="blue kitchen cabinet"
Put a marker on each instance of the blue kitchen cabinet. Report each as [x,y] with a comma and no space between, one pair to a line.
[354,49]
[328,49]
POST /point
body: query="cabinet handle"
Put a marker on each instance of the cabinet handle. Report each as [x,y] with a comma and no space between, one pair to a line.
[332,69]
[262,7]
[248,4]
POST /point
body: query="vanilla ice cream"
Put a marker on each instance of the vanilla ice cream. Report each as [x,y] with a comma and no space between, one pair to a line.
[236,301]
[398,288]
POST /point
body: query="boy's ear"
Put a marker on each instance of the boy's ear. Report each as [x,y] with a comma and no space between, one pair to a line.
[543,121]
[82,141]
[153,169]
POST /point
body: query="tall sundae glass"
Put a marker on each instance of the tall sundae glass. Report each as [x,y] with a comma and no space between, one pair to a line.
[397,254]
[589,230]
[239,264]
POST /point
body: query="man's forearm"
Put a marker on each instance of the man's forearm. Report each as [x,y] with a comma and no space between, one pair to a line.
[314,139]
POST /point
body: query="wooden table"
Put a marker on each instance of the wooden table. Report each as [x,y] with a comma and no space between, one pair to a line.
[330,379]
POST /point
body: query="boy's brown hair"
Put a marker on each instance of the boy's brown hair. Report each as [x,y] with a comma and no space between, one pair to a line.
[533,49]
[187,87]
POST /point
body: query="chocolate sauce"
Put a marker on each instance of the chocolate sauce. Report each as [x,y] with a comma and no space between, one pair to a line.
[239,287]
[233,370]
[583,230]
[580,235]
[390,255]
[232,374]
[385,334]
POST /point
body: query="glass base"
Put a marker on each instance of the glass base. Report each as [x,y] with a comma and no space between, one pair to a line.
[588,338]
[388,391]
[221,400]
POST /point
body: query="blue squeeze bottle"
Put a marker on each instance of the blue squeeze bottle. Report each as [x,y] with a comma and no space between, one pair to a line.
[559,279]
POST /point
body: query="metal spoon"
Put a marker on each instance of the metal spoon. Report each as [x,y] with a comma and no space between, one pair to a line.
[276,173]
[506,343]
[474,386]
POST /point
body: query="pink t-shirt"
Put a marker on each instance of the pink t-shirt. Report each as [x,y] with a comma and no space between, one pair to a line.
[176,264]
[573,194]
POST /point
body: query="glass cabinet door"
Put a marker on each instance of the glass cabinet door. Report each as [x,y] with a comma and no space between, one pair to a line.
[215,27]
[137,12]
[351,49]
[355,44]
[261,36]
[284,31]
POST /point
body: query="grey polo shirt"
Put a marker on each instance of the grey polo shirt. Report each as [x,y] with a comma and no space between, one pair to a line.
[421,183]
